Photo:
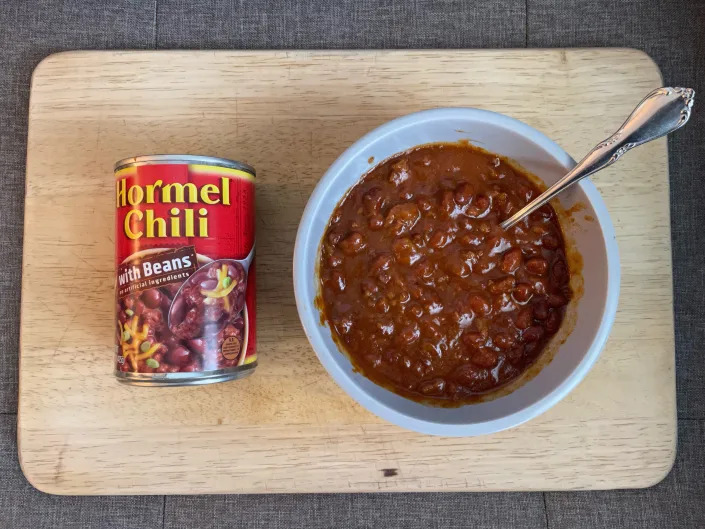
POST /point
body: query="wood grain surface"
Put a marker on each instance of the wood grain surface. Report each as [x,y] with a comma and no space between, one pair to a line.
[289,428]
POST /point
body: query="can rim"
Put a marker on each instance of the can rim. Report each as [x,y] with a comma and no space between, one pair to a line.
[165,159]
[197,378]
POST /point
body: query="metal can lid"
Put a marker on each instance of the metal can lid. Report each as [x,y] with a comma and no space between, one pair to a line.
[154,159]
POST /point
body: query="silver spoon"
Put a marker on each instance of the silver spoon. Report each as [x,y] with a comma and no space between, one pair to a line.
[177,303]
[661,112]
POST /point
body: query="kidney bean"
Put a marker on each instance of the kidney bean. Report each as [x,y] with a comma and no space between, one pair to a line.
[415,310]
[152,317]
[425,204]
[198,345]
[178,356]
[439,239]
[486,264]
[540,286]
[513,356]
[502,303]
[432,387]
[539,229]
[479,305]
[432,304]
[423,269]
[550,242]
[165,305]
[334,237]
[418,240]
[385,327]
[463,193]
[456,266]
[380,263]
[474,338]
[447,205]
[334,261]
[139,307]
[469,240]
[533,333]
[352,244]
[496,245]
[537,266]
[336,280]
[503,340]
[369,287]
[416,291]
[400,172]
[556,300]
[479,206]
[473,377]
[484,357]
[382,306]
[372,201]
[129,301]
[408,335]
[376,222]
[511,260]
[471,258]
[208,284]
[501,286]
[559,273]
[553,322]
[522,292]
[524,318]
[405,251]
[540,309]
[430,329]
[402,218]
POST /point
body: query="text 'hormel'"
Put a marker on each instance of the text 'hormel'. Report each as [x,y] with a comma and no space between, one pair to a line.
[180,221]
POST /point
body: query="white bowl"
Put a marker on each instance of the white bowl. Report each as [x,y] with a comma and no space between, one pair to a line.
[593,311]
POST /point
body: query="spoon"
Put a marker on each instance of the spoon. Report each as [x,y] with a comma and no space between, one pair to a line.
[661,112]
[177,308]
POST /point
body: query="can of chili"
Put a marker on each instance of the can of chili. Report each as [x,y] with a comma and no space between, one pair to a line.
[185,270]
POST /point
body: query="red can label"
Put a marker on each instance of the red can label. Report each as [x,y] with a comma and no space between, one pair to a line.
[185,285]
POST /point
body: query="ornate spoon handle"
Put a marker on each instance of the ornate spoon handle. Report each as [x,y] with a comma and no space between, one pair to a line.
[661,112]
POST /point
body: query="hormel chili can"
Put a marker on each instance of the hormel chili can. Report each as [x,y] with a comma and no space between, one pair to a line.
[185,285]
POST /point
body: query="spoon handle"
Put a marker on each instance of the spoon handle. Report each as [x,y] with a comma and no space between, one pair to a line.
[661,112]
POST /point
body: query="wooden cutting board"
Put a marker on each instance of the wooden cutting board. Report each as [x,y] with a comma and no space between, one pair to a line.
[289,428]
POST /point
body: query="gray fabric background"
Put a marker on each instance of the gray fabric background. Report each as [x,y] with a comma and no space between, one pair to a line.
[672,32]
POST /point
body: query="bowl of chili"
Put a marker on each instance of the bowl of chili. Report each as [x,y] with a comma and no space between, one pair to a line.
[416,302]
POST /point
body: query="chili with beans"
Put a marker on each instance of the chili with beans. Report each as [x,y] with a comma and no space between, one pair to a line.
[178,328]
[425,292]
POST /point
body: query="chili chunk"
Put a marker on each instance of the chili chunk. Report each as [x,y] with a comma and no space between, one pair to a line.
[424,291]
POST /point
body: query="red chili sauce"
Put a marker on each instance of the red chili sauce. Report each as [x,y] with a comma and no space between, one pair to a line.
[424,291]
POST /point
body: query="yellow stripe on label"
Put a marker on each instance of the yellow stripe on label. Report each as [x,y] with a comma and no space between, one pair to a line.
[225,171]
[126,171]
